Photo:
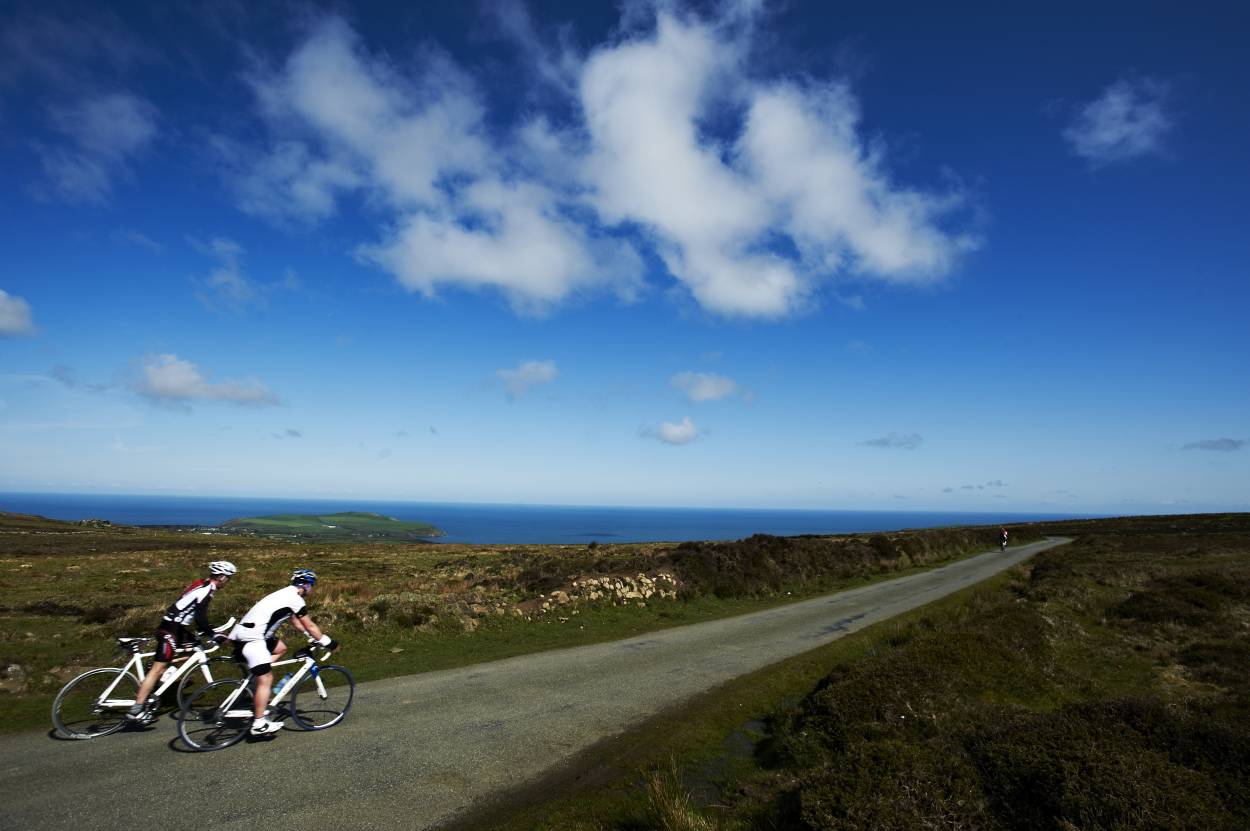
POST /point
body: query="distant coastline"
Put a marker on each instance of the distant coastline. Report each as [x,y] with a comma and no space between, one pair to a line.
[509,524]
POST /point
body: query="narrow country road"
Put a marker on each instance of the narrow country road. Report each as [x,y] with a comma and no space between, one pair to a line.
[419,750]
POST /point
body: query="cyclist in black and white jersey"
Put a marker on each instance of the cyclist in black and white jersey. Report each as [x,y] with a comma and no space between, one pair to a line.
[257,642]
[186,614]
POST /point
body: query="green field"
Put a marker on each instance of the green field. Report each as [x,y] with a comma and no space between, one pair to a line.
[346,526]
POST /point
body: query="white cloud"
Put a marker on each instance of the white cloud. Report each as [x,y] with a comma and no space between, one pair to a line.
[896,441]
[525,375]
[104,132]
[121,447]
[751,221]
[704,386]
[346,122]
[226,285]
[681,433]
[794,168]
[1127,121]
[1219,445]
[527,249]
[801,144]
[15,317]
[64,54]
[127,236]
[171,380]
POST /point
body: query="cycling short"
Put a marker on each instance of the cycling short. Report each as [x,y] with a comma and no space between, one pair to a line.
[257,654]
[167,640]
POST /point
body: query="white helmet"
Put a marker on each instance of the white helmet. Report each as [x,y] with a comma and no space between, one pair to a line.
[222,568]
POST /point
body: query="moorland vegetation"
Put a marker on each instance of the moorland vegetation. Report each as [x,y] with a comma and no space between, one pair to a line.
[67,589]
[1104,684]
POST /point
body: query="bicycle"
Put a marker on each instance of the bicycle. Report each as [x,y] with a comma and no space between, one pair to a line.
[220,714]
[95,703]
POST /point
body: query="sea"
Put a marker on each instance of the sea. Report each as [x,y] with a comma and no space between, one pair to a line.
[498,523]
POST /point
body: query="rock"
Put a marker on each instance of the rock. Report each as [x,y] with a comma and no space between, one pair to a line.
[395,650]
[469,624]
[560,597]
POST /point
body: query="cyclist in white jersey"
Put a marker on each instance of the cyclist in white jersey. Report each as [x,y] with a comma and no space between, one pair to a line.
[257,641]
[190,608]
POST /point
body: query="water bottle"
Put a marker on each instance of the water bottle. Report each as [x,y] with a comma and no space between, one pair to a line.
[277,688]
[168,673]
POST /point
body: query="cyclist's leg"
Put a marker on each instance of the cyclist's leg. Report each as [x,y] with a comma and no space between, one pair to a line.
[160,662]
[264,684]
[259,656]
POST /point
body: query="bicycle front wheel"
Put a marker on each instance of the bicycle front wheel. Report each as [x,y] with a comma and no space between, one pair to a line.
[206,724]
[323,700]
[220,666]
[94,704]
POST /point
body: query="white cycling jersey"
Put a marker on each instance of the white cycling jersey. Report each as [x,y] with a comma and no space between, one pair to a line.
[192,605]
[270,612]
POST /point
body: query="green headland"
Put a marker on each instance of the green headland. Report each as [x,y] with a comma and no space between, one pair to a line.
[341,527]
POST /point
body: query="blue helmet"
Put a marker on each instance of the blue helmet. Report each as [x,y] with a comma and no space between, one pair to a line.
[303,576]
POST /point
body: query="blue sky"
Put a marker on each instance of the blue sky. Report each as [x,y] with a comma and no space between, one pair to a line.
[729,254]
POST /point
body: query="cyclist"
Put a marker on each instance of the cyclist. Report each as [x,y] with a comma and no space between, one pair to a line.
[172,632]
[256,639]
[1002,538]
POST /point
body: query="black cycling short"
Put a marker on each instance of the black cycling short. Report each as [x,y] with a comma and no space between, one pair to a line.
[168,638]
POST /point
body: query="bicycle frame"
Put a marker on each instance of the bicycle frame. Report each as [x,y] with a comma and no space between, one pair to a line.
[309,665]
[194,657]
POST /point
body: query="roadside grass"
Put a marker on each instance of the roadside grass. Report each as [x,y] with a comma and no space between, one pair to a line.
[1104,685]
[709,745]
[67,590]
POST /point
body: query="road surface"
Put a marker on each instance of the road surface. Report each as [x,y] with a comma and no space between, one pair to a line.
[418,751]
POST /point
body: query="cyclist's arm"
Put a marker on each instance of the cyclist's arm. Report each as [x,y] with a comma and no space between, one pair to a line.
[305,624]
[202,625]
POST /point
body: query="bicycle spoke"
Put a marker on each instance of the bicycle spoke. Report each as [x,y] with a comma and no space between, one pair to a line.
[94,704]
[316,706]
[206,724]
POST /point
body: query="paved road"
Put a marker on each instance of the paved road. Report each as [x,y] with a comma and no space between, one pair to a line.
[417,751]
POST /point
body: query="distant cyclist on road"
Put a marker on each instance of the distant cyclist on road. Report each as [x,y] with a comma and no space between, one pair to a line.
[257,641]
[174,631]
[1002,538]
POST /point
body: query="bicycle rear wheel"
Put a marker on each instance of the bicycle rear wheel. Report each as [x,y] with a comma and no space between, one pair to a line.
[221,666]
[318,706]
[81,710]
[204,723]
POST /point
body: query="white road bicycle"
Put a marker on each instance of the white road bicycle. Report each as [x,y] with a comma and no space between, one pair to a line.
[315,696]
[95,703]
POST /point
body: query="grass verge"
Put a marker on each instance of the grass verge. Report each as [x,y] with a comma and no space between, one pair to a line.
[1105,685]
[704,745]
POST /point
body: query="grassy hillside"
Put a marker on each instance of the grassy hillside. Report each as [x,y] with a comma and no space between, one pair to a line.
[342,527]
[1106,684]
[66,590]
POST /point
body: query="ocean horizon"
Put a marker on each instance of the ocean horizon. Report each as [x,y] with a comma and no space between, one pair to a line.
[510,523]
